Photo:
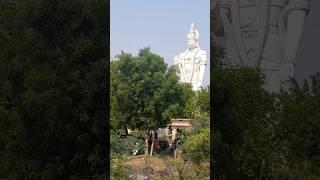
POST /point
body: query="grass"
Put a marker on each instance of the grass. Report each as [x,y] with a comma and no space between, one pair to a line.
[160,167]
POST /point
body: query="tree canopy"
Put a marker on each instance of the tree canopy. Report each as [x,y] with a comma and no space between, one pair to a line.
[52,89]
[145,93]
[262,135]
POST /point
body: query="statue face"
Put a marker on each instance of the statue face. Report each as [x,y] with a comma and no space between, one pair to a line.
[192,43]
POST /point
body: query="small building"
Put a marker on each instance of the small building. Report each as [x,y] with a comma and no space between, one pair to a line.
[179,124]
[171,130]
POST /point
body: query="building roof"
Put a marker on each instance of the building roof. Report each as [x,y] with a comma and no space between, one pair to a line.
[183,123]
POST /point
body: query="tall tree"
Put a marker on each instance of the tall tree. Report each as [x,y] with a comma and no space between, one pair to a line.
[242,110]
[52,88]
[199,105]
[145,94]
[299,128]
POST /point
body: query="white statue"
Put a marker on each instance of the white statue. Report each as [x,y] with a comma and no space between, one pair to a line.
[191,63]
[263,34]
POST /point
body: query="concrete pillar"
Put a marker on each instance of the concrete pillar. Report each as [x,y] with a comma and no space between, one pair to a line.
[166,131]
[174,132]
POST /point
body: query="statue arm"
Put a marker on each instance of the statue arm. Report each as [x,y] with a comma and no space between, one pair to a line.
[295,14]
[294,34]
[201,73]
[177,64]
[175,60]
[218,10]
[202,66]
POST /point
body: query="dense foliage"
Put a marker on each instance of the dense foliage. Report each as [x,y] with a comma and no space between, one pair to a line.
[145,94]
[299,128]
[240,115]
[52,89]
[197,146]
[196,143]
[123,146]
[259,135]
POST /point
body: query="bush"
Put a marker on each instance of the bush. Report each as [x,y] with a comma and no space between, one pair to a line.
[123,146]
[118,171]
[197,146]
[186,169]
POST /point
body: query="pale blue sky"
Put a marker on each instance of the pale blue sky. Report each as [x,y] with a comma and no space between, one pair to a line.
[161,25]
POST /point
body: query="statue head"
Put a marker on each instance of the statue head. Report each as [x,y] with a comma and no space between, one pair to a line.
[193,37]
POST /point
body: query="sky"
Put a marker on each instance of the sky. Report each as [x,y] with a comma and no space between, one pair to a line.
[160,25]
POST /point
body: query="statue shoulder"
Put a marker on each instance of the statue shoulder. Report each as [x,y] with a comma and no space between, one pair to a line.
[202,52]
[183,53]
[176,59]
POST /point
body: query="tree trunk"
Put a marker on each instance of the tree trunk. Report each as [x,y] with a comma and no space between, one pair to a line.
[146,139]
[261,171]
[153,138]
[126,130]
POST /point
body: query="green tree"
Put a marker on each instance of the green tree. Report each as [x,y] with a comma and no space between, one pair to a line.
[197,146]
[242,113]
[299,127]
[145,94]
[261,135]
[52,89]
[199,104]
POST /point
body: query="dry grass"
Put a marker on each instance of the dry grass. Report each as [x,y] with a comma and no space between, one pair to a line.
[160,167]
[137,163]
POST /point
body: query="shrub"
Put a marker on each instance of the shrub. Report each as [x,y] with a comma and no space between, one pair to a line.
[123,146]
[197,146]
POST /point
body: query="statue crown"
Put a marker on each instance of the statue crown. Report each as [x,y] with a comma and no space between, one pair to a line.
[193,33]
